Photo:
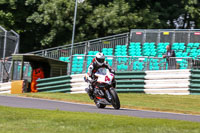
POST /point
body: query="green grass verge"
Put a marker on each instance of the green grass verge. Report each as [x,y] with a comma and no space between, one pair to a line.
[19,120]
[188,104]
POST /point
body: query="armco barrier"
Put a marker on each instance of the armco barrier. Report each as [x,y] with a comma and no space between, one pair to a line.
[174,82]
[55,84]
[195,82]
[5,87]
[154,82]
[73,83]
[130,81]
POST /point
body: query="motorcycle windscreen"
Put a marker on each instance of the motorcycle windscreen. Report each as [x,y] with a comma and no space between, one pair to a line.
[104,76]
[102,71]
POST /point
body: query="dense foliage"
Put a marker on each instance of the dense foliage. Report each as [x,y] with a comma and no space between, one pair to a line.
[48,23]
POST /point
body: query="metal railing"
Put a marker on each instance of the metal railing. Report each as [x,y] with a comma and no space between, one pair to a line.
[84,47]
[165,35]
[196,63]
[5,65]
[9,44]
[135,63]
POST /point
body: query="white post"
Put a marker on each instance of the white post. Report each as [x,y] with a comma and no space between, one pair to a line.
[73,33]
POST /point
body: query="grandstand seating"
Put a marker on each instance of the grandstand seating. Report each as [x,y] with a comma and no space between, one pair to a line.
[90,57]
[193,50]
[65,59]
[122,67]
[161,49]
[139,63]
[135,50]
[149,49]
[121,50]
[107,51]
[77,63]
[179,48]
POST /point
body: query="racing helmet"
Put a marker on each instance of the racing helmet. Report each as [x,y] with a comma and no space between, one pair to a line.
[100,58]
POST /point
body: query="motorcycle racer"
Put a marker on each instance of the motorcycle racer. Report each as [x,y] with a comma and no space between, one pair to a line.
[97,62]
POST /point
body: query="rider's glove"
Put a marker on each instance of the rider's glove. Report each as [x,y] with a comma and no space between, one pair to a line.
[85,79]
[112,71]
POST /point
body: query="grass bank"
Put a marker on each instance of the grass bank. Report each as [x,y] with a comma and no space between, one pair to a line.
[19,120]
[188,104]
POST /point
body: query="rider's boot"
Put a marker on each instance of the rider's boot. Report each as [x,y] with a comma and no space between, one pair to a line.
[90,92]
[114,83]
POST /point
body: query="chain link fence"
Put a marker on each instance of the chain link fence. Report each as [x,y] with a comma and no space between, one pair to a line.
[9,44]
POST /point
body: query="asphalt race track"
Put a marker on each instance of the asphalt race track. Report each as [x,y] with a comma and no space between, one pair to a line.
[36,103]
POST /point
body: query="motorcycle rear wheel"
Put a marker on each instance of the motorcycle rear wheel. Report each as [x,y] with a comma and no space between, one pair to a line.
[115,99]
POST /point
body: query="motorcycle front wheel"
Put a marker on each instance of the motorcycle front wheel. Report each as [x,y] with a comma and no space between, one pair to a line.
[115,99]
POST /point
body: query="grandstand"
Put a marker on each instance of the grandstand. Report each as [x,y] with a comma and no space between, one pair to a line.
[135,51]
[133,55]
[138,50]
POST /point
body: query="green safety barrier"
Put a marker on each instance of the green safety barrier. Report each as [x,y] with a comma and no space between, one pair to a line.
[54,84]
[130,90]
[195,82]
[133,82]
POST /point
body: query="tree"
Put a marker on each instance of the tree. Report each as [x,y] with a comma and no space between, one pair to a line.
[58,17]
[193,11]
[112,19]
[48,23]
[13,15]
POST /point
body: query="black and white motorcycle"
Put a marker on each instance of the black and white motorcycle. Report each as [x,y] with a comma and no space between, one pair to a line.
[104,93]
